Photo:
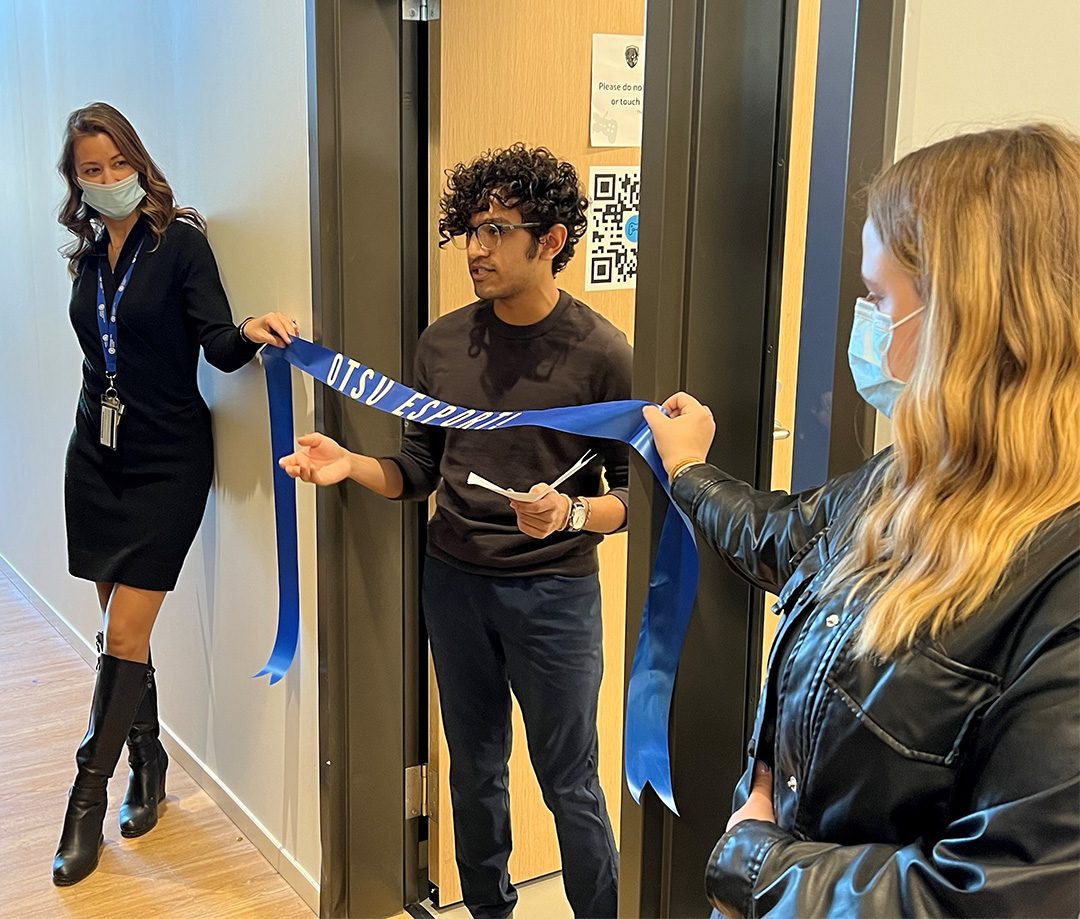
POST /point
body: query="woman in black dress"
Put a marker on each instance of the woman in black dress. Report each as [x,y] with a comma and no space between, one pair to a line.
[140,462]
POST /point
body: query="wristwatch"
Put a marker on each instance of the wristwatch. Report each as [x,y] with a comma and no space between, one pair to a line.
[579,515]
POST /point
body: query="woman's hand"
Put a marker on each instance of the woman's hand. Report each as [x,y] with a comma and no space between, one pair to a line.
[759,805]
[275,329]
[685,432]
[545,516]
[320,460]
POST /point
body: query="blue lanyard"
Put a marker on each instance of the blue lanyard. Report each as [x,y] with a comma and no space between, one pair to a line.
[107,321]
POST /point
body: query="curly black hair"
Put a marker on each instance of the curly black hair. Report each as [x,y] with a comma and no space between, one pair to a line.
[545,189]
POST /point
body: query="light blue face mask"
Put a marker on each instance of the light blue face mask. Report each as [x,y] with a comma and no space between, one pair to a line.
[868,355]
[117,200]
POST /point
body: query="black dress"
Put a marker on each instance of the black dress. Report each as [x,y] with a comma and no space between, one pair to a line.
[132,513]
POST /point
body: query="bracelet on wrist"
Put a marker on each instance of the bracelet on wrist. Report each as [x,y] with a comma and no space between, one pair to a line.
[680,467]
[241,329]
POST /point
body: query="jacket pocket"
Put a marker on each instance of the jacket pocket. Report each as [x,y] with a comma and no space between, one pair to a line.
[808,562]
[922,705]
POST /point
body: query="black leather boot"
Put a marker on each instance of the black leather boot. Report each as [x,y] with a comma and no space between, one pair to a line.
[117,696]
[148,762]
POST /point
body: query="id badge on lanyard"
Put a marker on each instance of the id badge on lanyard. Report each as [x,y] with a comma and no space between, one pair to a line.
[112,409]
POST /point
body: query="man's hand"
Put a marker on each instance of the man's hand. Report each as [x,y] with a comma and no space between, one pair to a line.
[320,460]
[759,805]
[545,516]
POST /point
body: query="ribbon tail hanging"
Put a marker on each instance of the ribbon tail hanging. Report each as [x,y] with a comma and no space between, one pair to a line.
[664,623]
[279,393]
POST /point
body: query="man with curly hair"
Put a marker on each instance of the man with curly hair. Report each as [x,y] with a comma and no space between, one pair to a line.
[510,592]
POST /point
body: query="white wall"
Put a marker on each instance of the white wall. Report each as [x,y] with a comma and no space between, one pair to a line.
[218,93]
[973,64]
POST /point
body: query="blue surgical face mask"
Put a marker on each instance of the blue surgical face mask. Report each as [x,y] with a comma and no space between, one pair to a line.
[868,355]
[117,200]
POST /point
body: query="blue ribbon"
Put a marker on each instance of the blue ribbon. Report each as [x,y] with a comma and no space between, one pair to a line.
[672,585]
[279,392]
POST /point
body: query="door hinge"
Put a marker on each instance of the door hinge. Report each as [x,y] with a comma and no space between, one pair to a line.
[419,10]
[416,795]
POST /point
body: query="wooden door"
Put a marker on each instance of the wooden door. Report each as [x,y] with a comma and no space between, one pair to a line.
[802,126]
[541,51]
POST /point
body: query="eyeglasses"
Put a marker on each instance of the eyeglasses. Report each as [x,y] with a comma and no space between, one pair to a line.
[489,235]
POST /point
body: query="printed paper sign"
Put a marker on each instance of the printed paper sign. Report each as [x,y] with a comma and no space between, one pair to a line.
[618,89]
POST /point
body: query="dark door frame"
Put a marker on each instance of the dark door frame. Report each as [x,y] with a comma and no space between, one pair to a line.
[717,117]
[363,130]
[719,79]
[719,75]
[858,72]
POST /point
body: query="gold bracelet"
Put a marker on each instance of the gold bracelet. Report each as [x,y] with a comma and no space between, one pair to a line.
[680,467]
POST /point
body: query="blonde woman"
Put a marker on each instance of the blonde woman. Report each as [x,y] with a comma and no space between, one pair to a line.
[917,747]
[145,296]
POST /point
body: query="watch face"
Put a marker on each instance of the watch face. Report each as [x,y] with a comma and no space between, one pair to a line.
[577,516]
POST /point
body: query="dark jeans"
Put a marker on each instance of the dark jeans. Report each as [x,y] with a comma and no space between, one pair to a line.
[541,637]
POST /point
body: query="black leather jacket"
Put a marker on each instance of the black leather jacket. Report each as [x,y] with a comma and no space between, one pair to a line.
[945,782]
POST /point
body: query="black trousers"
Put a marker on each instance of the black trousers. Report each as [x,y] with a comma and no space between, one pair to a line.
[542,638]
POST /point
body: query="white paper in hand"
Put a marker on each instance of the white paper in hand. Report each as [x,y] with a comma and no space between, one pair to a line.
[523,496]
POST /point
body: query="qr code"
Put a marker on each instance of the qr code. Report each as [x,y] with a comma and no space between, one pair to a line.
[611,254]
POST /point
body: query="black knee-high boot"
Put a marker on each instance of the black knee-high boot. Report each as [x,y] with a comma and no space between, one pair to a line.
[148,761]
[118,693]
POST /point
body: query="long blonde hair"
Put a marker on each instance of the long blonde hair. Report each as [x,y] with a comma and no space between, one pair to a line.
[987,433]
[83,221]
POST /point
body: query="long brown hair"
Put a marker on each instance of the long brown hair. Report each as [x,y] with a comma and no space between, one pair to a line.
[987,432]
[83,221]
